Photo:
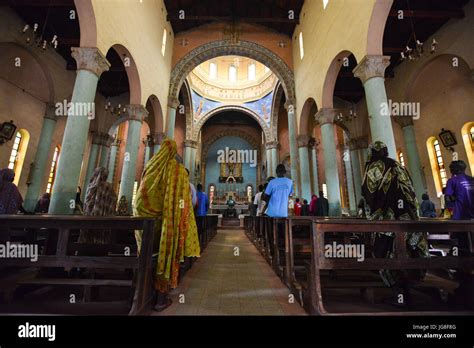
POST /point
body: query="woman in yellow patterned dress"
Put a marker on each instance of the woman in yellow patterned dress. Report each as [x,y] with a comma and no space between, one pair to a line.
[165,195]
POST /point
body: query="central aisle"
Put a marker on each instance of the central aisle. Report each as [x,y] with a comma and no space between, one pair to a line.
[221,283]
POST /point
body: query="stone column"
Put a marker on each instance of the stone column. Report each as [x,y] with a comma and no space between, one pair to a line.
[272,157]
[314,165]
[105,150]
[325,117]
[356,146]
[190,150]
[290,107]
[92,162]
[274,153]
[157,140]
[148,141]
[114,148]
[303,142]
[40,165]
[170,123]
[350,182]
[412,156]
[90,65]
[371,72]
[136,115]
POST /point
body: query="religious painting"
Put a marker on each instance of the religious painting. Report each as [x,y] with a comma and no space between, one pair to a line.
[447,137]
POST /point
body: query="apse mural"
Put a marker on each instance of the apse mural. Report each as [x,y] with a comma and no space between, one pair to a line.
[261,107]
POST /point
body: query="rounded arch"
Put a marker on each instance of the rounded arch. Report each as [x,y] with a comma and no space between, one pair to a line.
[155,114]
[277,95]
[463,67]
[225,48]
[220,109]
[38,60]
[188,107]
[87,23]
[376,31]
[309,110]
[132,72]
[331,77]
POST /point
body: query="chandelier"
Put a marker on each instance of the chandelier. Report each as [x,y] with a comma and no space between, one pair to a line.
[34,38]
[115,110]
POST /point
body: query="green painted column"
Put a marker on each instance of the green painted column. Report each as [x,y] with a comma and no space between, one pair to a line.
[268,153]
[325,117]
[171,122]
[157,140]
[136,115]
[371,72]
[414,163]
[357,146]
[149,144]
[274,155]
[40,165]
[104,150]
[114,148]
[91,163]
[303,142]
[346,157]
[192,169]
[290,107]
[314,166]
[91,63]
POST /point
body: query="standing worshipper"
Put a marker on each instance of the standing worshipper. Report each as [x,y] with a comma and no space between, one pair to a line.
[427,207]
[202,202]
[277,194]
[165,195]
[11,201]
[258,201]
[43,204]
[460,191]
[100,200]
[122,207]
[312,205]
[297,207]
[389,195]
[322,205]
[305,208]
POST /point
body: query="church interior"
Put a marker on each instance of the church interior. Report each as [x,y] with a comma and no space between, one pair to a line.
[111,99]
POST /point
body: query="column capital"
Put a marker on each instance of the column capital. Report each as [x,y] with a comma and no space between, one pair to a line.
[371,66]
[158,137]
[137,112]
[361,142]
[173,102]
[404,121]
[325,115]
[91,59]
[191,143]
[313,143]
[50,111]
[290,105]
[273,144]
[303,140]
[103,139]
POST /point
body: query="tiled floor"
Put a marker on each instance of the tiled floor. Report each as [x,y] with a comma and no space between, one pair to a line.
[224,283]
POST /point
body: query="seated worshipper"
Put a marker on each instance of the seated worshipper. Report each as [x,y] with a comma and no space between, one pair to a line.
[101,200]
[11,201]
[427,207]
[361,208]
[165,195]
[312,205]
[389,195]
[43,204]
[230,211]
[258,201]
[277,194]
[322,205]
[297,207]
[305,208]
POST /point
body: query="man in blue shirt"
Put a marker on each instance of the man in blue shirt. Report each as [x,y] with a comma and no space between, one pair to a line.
[277,193]
[202,202]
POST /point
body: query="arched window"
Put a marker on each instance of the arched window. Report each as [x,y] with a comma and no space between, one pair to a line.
[301,46]
[325,3]
[468,139]
[252,72]
[232,73]
[325,190]
[401,158]
[17,156]
[163,43]
[52,171]
[249,193]
[212,70]
[437,164]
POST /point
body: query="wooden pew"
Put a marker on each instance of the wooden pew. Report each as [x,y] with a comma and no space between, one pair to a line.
[402,261]
[65,257]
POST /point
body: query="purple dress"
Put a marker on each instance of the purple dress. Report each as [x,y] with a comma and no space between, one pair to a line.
[462,188]
[10,197]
